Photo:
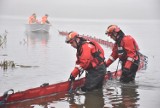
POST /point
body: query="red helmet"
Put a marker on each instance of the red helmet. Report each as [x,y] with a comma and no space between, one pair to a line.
[112,29]
[71,37]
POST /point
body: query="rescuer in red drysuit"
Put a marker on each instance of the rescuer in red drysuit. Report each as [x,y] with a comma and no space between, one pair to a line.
[126,49]
[32,19]
[90,58]
[45,19]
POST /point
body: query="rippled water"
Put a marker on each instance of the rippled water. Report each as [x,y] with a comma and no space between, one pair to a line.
[42,57]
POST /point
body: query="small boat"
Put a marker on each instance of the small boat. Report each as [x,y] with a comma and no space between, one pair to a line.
[37,27]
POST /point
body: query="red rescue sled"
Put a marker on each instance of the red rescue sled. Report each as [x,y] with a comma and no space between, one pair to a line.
[45,90]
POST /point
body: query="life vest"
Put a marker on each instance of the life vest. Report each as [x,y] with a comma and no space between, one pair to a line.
[44,19]
[89,55]
[97,53]
[122,54]
[32,20]
[126,49]
[120,50]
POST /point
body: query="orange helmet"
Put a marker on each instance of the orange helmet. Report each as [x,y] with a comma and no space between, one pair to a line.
[112,29]
[71,37]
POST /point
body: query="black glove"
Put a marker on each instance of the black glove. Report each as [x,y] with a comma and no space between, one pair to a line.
[71,78]
[126,72]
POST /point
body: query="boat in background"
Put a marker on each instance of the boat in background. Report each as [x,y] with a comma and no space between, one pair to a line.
[37,27]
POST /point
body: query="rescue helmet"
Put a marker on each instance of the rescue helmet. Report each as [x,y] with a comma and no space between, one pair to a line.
[71,37]
[34,14]
[112,29]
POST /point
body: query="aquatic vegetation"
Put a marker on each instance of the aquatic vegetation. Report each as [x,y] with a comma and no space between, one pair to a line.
[3,39]
[6,64]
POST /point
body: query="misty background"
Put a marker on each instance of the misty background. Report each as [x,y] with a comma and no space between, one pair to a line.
[83,9]
[56,59]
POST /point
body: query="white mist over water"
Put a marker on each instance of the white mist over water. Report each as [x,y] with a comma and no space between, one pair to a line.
[55,59]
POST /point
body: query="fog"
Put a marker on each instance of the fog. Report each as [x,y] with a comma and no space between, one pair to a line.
[83,9]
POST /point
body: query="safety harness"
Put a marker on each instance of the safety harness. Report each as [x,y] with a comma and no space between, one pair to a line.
[122,52]
[95,55]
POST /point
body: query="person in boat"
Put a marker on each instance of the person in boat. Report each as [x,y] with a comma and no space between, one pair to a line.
[90,58]
[45,19]
[126,49]
[33,19]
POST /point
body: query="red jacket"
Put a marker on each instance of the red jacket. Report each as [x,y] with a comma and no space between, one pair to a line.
[85,58]
[126,51]
[32,20]
[44,19]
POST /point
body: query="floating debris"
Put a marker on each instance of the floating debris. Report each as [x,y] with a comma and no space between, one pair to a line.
[3,55]
[25,66]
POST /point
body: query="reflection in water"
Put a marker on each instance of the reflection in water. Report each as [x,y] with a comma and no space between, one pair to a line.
[91,100]
[37,37]
[94,100]
[42,102]
[122,95]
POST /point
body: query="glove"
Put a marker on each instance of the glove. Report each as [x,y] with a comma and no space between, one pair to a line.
[126,72]
[71,78]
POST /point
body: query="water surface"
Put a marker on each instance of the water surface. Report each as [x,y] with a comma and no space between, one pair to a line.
[45,57]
